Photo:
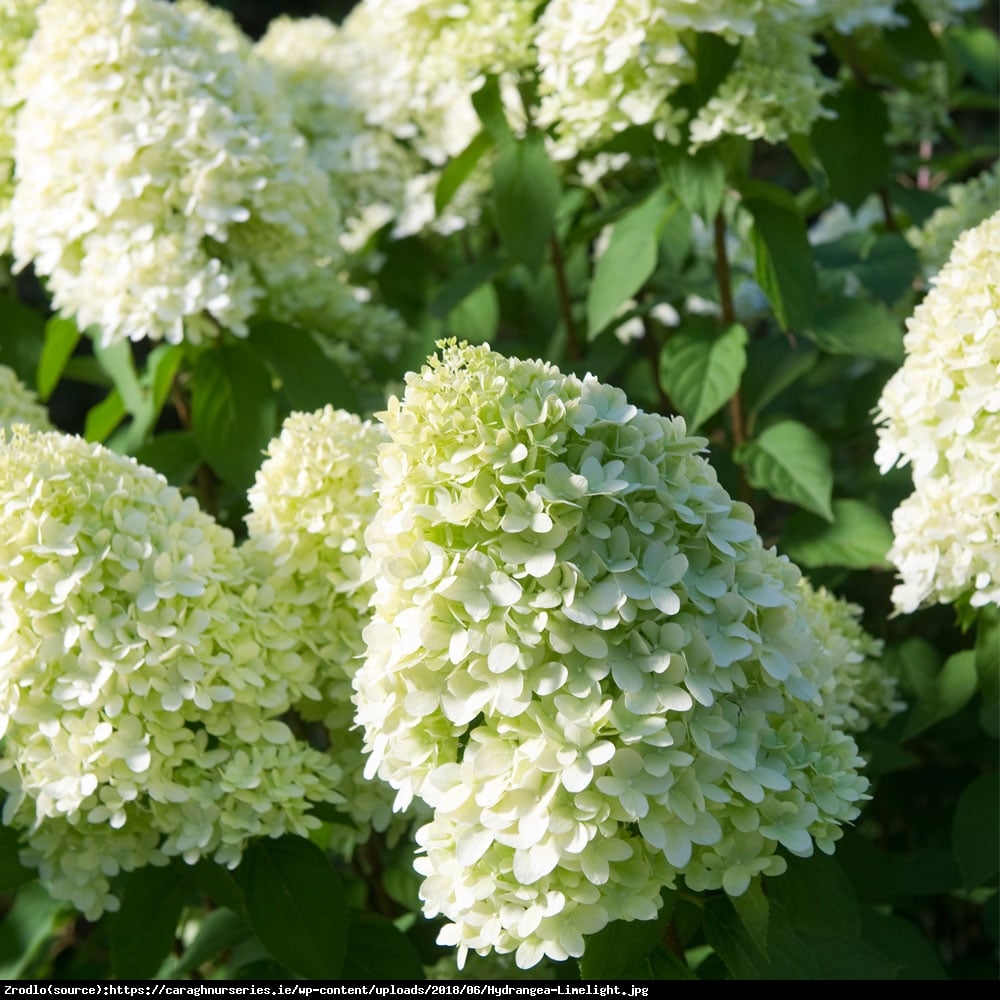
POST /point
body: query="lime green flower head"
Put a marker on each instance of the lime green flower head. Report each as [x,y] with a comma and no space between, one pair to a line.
[583,659]
[311,503]
[143,676]
[19,405]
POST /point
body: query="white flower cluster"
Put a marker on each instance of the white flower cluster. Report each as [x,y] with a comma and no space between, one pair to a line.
[941,413]
[582,657]
[17,25]
[161,187]
[969,203]
[143,677]
[858,691]
[19,405]
[370,169]
[311,503]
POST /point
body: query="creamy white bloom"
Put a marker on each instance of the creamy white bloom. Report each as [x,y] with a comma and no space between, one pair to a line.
[940,413]
[310,505]
[17,25]
[143,677]
[161,188]
[19,405]
[584,660]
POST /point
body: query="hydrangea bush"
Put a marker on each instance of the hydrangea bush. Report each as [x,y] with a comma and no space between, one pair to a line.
[329,654]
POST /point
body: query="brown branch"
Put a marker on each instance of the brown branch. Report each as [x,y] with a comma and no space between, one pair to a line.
[574,349]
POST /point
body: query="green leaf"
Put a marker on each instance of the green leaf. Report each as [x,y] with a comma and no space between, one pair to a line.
[310,377]
[525,196]
[61,338]
[22,338]
[25,929]
[220,931]
[858,328]
[790,462]
[629,260]
[887,267]
[145,927]
[456,172]
[233,411]
[174,454]
[714,58]
[295,904]
[784,265]
[988,667]
[774,364]
[116,360]
[700,369]
[858,538]
[978,52]
[975,830]
[810,879]
[476,317]
[488,104]
[103,417]
[698,179]
[161,369]
[902,943]
[12,872]
[217,883]
[615,951]
[377,950]
[851,146]
[462,284]
[752,909]
[951,691]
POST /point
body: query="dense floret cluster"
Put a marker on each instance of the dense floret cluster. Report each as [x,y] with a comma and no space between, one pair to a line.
[143,676]
[162,189]
[584,660]
[310,505]
[19,405]
[858,692]
[940,413]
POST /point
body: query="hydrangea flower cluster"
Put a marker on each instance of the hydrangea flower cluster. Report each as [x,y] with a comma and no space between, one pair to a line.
[19,405]
[858,692]
[424,58]
[17,25]
[969,204]
[162,189]
[941,413]
[144,676]
[310,505]
[370,169]
[582,657]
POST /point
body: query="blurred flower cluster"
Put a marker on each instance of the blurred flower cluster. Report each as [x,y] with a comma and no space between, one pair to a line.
[940,413]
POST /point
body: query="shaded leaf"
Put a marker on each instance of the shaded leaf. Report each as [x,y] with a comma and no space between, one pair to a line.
[145,927]
[103,417]
[26,929]
[174,454]
[526,196]
[858,538]
[233,411]
[988,667]
[488,104]
[22,338]
[476,317]
[378,950]
[629,260]
[12,872]
[773,364]
[975,831]
[700,369]
[903,944]
[858,328]
[458,169]
[310,377]
[851,145]
[698,179]
[950,692]
[295,904]
[790,462]
[784,265]
[219,931]
[462,284]
[615,951]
